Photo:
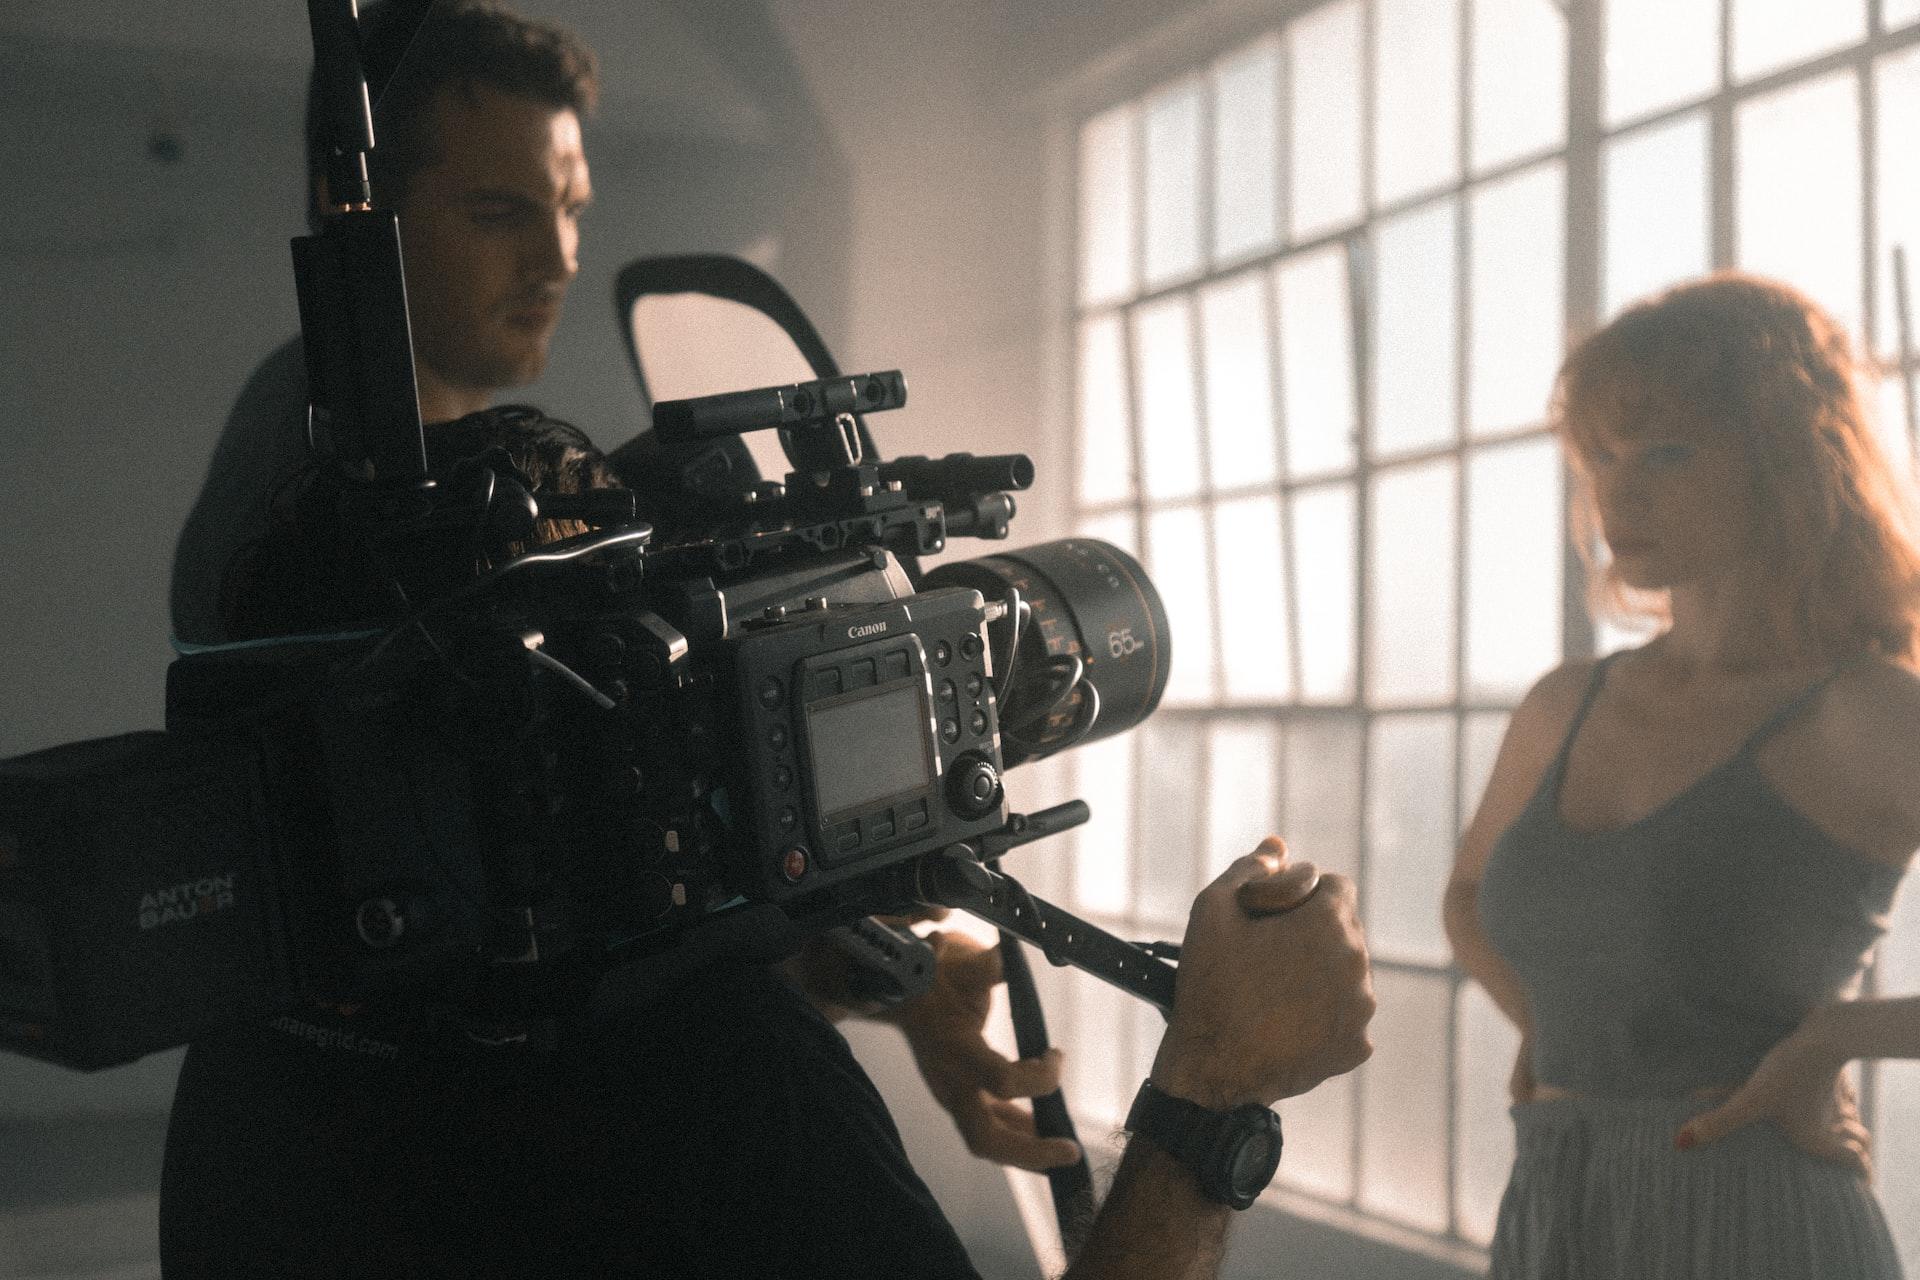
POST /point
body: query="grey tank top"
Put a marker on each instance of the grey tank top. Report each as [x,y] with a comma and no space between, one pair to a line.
[1671,954]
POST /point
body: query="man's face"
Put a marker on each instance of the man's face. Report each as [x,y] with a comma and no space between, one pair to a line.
[490,229]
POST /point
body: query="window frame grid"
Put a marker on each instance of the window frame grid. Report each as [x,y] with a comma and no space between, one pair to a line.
[1581,153]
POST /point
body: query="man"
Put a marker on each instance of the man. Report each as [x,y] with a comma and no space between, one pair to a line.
[735,1133]
[480,154]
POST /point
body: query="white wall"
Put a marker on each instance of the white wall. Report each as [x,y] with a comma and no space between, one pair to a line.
[137,296]
[946,145]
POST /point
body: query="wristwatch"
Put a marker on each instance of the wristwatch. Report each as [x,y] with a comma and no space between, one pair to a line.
[1232,1153]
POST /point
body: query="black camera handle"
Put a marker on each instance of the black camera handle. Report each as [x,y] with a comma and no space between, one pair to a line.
[971,880]
[1072,1185]
[958,877]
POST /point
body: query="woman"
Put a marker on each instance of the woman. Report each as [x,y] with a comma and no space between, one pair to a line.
[1686,850]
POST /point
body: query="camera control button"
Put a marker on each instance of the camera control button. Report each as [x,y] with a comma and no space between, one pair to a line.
[942,654]
[950,730]
[771,692]
[782,777]
[948,691]
[777,737]
[970,645]
[978,723]
[793,863]
[789,820]
[973,787]
[974,685]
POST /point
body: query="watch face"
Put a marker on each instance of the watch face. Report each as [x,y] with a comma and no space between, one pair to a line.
[1255,1162]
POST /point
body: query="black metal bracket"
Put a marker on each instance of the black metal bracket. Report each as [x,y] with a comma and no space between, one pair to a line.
[956,878]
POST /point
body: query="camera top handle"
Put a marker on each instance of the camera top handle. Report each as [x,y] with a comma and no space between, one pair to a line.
[818,421]
[733,280]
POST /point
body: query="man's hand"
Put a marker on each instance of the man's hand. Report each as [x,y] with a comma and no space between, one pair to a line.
[1273,997]
[1274,992]
[977,1085]
[945,1029]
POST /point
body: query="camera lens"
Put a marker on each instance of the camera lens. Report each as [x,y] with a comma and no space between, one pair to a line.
[1092,657]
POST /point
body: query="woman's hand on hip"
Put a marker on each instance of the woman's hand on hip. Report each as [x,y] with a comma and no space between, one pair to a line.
[1805,1094]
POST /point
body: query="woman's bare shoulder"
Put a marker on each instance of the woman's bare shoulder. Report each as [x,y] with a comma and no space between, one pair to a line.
[1540,721]
[1534,733]
[1869,729]
[1875,707]
[1550,705]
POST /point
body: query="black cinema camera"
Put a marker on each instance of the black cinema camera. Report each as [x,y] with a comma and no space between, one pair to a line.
[553,778]
[571,778]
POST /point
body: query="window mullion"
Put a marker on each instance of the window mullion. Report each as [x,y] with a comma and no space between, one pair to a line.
[1865,82]
[1723,238]
[1462,428]
[1586,61]
[1360,276]
[1137,442]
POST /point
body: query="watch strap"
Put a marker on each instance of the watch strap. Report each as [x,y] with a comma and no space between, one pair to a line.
[1210,1143]
[1179,1126]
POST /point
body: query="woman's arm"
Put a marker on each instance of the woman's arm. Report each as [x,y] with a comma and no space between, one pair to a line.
[1849,1029]
[1801,1085]
[1869,736]
[1476,957]
[1864,763]
[1531,742]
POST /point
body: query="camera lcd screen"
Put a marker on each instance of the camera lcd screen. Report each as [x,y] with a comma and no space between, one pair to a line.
[869,748]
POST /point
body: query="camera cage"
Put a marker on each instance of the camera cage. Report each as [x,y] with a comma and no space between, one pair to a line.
[157,886]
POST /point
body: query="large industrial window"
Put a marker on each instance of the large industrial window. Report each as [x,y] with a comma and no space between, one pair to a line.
[1322,281]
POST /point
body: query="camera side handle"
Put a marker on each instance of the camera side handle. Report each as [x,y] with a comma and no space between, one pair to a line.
[954,877]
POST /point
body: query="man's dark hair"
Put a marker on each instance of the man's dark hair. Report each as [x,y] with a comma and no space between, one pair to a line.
[462,43]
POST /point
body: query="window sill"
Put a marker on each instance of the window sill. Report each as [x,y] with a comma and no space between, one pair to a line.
[1287,1231]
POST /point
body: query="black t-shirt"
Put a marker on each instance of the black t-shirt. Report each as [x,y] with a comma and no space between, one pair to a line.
[731,1134]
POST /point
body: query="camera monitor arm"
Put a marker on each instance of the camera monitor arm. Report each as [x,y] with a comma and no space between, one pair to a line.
[353,302]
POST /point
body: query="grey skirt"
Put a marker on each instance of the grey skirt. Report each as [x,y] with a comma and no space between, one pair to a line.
[1599,1193]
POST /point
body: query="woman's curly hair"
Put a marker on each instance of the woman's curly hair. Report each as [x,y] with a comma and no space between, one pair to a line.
[1738,358]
